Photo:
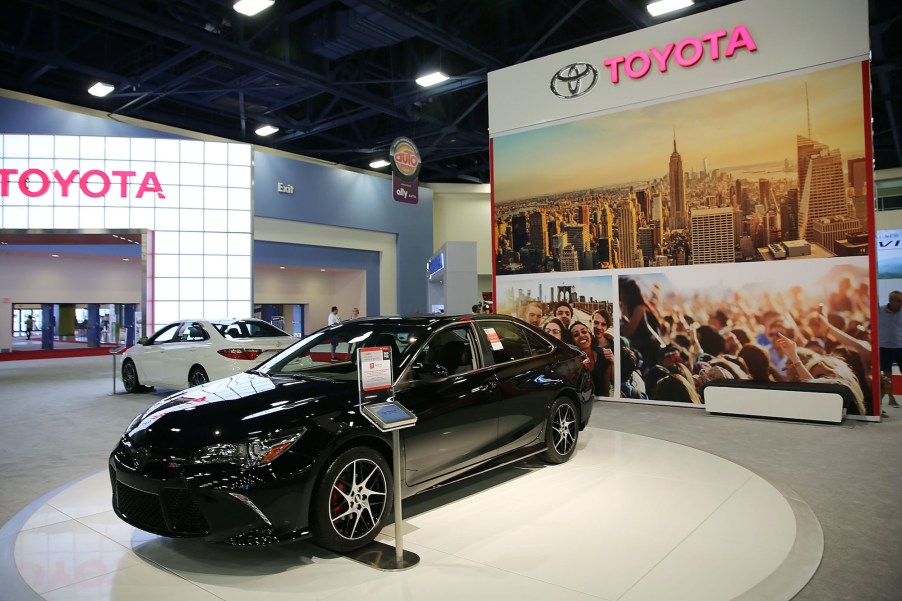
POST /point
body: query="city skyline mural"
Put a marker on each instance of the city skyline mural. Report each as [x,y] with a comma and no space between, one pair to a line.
[769,171]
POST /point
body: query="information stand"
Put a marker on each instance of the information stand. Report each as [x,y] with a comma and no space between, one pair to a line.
[114,352]
[377,405]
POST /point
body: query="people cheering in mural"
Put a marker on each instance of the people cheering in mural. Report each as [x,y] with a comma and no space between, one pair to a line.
[598,361]
[762,335]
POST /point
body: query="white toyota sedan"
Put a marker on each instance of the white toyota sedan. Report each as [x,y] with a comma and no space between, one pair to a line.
[195,351]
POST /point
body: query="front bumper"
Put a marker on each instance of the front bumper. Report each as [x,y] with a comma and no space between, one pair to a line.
[217,503]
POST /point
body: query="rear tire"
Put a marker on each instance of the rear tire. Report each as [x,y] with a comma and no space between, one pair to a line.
[198,376]
[352,500]
[561,431]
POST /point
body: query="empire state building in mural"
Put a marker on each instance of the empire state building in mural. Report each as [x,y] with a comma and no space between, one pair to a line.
[677,189]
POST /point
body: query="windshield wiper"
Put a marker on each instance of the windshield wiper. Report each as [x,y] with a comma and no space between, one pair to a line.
[301,376]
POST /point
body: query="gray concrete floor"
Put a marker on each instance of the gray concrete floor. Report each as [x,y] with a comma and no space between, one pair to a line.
[59,420]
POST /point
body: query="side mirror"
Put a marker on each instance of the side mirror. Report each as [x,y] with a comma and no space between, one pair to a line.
[142,340]
[428,372]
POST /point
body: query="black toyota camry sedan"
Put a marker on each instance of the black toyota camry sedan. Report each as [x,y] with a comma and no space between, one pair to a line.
[283,452]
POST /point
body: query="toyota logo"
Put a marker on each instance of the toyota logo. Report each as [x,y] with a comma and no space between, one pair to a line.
[574,80]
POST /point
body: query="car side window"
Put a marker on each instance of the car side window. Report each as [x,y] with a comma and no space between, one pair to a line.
[537,344]
[451,348]
[508,342]
[194,333]
[167,334]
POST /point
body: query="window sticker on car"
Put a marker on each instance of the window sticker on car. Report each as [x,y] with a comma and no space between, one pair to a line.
[494,340]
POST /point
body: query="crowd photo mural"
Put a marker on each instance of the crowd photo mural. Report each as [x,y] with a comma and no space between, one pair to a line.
[717,236]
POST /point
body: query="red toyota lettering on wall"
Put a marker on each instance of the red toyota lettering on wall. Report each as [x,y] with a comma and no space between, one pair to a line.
[93,183]
[685,53]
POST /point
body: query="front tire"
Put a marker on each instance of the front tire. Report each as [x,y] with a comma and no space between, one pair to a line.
[198,376]
[130,377]
[352,500]
[561,431]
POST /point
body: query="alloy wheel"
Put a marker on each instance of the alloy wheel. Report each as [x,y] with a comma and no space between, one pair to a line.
[563,429]
[357,499]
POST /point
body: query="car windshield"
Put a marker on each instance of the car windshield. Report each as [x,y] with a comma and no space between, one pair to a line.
[332,352]
[246,328]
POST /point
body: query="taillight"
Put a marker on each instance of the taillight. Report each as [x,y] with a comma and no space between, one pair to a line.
[248,354]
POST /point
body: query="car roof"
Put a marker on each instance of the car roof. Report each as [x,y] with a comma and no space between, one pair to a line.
[432,319]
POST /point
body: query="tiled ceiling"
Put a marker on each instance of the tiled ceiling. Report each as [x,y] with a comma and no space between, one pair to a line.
[337,76]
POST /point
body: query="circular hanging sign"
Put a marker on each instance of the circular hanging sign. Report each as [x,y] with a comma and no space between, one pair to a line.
[405,159]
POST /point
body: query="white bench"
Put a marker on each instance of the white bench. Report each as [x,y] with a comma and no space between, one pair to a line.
[808,401]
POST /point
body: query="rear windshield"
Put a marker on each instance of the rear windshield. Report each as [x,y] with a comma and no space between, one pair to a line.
[248,329]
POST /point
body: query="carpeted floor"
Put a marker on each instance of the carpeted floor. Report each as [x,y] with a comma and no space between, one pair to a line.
[59,420]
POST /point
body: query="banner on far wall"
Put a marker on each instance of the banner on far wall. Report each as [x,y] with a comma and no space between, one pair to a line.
[405,171]
[734,220]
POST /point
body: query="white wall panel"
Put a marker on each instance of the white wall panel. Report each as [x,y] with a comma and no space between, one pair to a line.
[38,278]
[520,96]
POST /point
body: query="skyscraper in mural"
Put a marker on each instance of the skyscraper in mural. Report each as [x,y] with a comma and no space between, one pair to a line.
[677,189]
[712,235]
[823,193]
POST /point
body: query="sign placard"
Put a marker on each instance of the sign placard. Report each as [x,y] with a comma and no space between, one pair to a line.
[375,368]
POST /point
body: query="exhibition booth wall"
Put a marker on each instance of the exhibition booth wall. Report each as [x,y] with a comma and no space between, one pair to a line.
[707,184]
[196,204]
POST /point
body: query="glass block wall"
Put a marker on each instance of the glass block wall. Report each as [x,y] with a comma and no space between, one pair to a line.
[194,195]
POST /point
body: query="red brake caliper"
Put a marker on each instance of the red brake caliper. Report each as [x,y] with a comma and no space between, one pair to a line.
[337,502]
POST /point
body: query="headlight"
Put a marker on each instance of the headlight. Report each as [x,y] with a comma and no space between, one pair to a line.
[247,454]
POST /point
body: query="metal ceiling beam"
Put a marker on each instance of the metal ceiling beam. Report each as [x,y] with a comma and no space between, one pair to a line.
[431,33]
[177,32]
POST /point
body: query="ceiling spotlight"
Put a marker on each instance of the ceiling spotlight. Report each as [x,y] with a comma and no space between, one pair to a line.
[379,164]
[662,7]
[322,270]
[101,89]
[125,258]
[281,267]
[56,256]
[252,7]
[432,79]
[266,130]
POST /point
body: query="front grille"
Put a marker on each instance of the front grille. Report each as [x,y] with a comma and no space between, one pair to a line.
[141,508]
[178,514]
[184,514]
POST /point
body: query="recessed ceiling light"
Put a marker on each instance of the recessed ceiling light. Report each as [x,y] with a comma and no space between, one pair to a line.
[281,267]
[266,130]
[100,89]
[252,7]
[55,255]
[432,79]
[125,258]
[379,164]
[662,7]
[322,270]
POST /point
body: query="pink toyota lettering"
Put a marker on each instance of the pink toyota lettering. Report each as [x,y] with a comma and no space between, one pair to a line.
[684,53]
[93,183]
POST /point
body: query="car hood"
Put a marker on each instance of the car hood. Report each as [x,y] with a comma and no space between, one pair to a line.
[237,408]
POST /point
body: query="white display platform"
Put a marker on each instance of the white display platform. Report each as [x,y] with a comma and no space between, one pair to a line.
[628,518]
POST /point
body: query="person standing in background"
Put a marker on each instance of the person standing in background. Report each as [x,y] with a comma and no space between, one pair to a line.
[334,319]
[355,313]
[889,329]
[29,326]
